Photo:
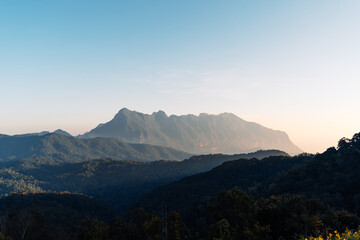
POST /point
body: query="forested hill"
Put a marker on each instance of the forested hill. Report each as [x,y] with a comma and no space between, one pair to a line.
[333,176]
[117,182]
[203,134]
[203,187]
[49,215]
[58,148]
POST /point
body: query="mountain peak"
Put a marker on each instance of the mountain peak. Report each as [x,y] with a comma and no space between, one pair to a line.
[123,111]
[62,132]
[160,114]
[206,133]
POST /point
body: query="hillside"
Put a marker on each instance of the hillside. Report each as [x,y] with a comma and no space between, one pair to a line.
[57,148]
[203,187]
[224,133]
[49,215]
[333,177]
[117,182]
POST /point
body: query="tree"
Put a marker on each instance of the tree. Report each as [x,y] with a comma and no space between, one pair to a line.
[238,209]
[177,229]
[220,230]
[153,228]
[92,229]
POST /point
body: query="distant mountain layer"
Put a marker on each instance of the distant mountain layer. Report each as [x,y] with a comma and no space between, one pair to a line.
[59,148]
[60,131]
[224,133]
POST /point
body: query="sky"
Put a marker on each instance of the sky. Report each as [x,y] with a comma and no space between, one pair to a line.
[287,65]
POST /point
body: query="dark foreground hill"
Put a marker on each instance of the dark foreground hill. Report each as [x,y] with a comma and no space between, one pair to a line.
[333,176]
[57,148]
[285,207]
[224,133]
[119,183]
[245,174]
[48,215]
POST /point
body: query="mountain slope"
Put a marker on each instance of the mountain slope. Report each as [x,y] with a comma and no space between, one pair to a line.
[119,183]
[225,133]
[49,215]
[203,187]
[333,176]
[60,131]
[58,148]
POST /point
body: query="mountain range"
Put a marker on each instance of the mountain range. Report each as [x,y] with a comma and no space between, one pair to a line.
[60,148]
[119,183]
[206,133]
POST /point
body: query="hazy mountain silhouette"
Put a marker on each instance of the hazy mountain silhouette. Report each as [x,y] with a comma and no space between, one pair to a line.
[58,148]
[60,131]
[206,133]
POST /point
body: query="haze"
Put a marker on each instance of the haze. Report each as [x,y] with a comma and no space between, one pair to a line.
[288,65]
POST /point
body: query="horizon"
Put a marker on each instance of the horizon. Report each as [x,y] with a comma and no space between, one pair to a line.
[154,112]
[288,66]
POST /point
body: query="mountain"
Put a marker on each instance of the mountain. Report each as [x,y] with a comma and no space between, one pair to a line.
[32,134]
[58,148]
[119,183]
[224,133]
[60,131]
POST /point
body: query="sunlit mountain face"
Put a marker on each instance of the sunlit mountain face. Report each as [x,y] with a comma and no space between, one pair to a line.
[206,133]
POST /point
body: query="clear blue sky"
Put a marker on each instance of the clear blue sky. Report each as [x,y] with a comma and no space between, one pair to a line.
[288,65]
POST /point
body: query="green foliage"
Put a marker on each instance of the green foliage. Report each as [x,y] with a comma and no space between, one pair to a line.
[205,211]
[186,194]
[221,230]
[332,177]
[48,216]
[119,183]
[236,215]
[153,228]
[93,229]
[176,228]
[236,207]
[232,215]
[2,237]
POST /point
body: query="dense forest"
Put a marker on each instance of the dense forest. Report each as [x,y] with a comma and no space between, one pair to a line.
[275,197]
[332,177]
[246,174]
[233,214]
[119,183]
